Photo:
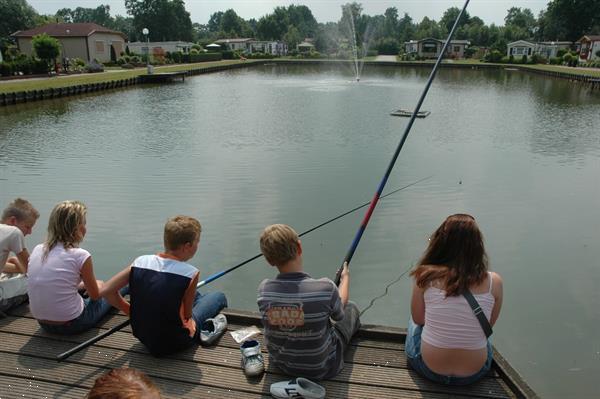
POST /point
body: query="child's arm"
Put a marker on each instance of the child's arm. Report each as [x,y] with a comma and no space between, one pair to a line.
[188,297]
[89,280]
[344,287]
[110,290]
[18,264]
[417,305]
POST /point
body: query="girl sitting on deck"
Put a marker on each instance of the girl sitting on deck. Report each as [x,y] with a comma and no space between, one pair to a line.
[58,268]
[445,341]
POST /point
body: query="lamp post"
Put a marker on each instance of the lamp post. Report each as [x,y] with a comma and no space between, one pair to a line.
[145,31]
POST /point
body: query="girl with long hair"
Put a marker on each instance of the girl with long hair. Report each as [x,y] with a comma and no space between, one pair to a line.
[445,342]
[59,269]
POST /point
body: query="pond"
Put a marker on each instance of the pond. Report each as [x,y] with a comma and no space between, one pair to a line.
[302,144]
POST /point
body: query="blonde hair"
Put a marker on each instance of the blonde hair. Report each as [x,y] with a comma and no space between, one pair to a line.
[279,244]
[180,230]
[21,209]
[123,383]
[65,219]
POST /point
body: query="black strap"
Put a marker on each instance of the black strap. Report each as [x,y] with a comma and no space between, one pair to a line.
[485,324]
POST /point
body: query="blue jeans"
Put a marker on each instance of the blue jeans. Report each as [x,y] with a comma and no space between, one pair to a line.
[93,312]
[205,307]
[415,360]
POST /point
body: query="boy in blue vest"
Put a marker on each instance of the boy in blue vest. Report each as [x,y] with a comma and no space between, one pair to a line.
[167,313]
[308,322]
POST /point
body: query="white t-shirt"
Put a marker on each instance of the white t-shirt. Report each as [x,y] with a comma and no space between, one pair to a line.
[11,240]
[53,283]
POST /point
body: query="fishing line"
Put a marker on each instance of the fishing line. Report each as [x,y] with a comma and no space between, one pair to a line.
[387,287]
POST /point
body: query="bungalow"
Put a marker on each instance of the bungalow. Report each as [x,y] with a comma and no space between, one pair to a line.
[520,48]
[551,49]
[305,47]
[590,46]
[87,41]
[430,48]
[236,44]
[171,47]
[268,47]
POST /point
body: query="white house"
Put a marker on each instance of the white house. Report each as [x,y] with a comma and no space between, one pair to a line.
[268,47]
[87,41]
[430,47]
[242,44]
[520,48]
[551,49]
[590,45]
[171,47]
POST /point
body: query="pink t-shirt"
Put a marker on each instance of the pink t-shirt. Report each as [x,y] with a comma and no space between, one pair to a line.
[53,283]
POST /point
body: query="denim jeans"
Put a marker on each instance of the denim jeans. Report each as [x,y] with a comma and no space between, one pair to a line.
[93,312]
[415,360]
[205,307]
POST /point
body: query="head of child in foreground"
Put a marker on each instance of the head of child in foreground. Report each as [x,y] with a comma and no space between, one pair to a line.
[67,224]
[21,214]
[182,236]
[279,244]
[124,384]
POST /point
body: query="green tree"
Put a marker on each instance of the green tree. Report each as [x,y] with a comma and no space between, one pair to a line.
[450,17]
[292,37]
[390,25]
[46,48]
[521,18]
[569,19]
[429,28]
[165,19]
[16,15]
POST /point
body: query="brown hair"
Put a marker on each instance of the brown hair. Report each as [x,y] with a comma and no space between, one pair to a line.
[21,209]
[455,255]
[63,225]
[124,384]
[180,230]
[279,244]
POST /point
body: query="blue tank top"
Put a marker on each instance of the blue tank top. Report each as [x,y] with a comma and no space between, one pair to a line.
[156,289]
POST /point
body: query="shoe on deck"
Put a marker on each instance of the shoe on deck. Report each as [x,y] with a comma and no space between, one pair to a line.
[212,329]
[252,359]
[297,388]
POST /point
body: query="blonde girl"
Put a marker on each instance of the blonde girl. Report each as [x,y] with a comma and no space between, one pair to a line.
[58,268]
[445,342]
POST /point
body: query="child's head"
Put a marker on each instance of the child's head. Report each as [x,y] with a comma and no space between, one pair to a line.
[279,244]
[66,224]
[124,384]
[20,213]
[182,230]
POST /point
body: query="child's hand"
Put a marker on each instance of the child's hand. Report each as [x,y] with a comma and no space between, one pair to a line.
[345,271]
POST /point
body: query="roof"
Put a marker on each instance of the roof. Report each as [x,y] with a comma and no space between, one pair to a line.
[67,30]
[591,38]
[235,40]
[558,43]
[306,44]
[521,43]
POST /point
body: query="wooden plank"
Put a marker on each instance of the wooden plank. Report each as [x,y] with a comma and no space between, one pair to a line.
[27,388]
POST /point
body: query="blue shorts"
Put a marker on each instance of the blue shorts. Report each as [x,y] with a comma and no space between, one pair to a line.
[415,360]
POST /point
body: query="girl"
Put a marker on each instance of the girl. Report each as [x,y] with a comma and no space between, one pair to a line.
[445,342]
[58,268]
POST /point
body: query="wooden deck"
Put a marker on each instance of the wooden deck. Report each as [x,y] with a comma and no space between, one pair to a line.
[375,366]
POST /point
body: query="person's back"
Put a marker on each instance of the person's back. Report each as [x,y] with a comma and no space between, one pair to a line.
[157,286]
[298,332]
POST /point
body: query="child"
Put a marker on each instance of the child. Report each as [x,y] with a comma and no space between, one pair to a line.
[167,313]
[124,383]
[296,311]
[58,268]
[17,221]
[445,341]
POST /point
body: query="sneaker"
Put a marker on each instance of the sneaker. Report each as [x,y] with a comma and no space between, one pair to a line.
[212,329]
[297,388]
[252,360]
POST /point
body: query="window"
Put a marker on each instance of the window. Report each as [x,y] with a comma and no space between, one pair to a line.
[99,47]
[457,49]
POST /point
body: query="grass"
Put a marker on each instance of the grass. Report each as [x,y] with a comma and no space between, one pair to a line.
[10,86]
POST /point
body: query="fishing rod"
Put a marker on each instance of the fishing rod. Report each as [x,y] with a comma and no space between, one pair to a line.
[384,180]
[215,276]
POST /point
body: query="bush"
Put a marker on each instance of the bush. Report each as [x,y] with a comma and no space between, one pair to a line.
[94,66]
[193,51]
[524,59]
[6,68]
[493,56]
[511,59]
[507,60]
[372,53]
[227,54]
[135,60]
[127,66]
[555,60]
[561,52]
[204,57]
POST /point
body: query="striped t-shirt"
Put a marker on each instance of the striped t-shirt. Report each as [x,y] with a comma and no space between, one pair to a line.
[296,311]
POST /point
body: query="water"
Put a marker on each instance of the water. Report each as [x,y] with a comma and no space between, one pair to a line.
[299,145]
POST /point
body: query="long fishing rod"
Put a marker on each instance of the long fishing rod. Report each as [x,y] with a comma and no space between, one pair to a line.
[215,276]
[377,195]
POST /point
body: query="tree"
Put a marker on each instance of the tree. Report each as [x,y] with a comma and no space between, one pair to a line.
[521,18]
[450,17]
[16,15]
[429,28]
[165,19]
[569,19]
[390,24]
[292,37]
[46,48]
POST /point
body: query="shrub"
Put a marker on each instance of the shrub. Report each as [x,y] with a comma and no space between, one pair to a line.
[567,58]
[561,52]
[524,59]
[555,60]
[511,59]
[6,68]
[47,48]
[196,47]
[127,66]
[193,51]
[94,66]
[507,60]
[227,54]
[134,59]
[372,53]
[493,56]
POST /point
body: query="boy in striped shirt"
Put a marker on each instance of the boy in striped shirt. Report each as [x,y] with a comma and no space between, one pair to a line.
[308,322]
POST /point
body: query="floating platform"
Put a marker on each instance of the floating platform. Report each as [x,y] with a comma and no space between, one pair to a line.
[375,365]
[408,113]
[165,77]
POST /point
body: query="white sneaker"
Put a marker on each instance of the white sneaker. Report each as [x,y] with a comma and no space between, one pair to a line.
[252,359]
[212,329]
[297,388]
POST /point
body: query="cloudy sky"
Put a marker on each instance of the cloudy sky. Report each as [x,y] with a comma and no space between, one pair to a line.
[491,11]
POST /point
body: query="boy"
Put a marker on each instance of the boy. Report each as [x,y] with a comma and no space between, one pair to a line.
[296,311]
[167,313]
[16,222]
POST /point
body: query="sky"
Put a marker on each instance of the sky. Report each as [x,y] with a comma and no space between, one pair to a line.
[490,11]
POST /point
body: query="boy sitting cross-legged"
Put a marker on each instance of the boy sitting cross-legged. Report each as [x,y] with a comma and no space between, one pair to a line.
[167,313]
[308,323]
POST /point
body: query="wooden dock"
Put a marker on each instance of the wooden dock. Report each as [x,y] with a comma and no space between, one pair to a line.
[375,366]
[163,77]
